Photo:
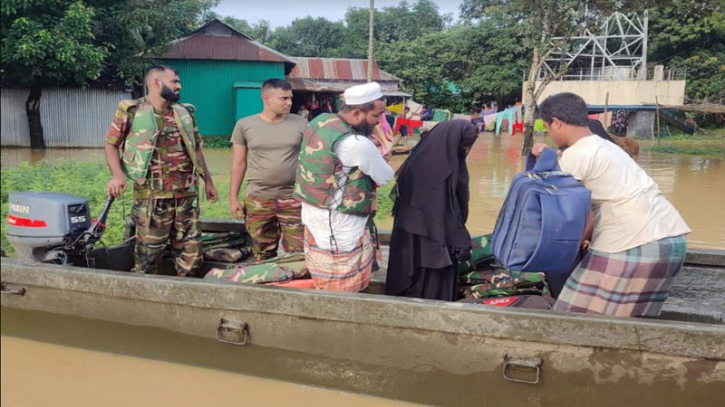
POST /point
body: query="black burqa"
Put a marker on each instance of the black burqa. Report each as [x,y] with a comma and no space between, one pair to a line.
[429,232]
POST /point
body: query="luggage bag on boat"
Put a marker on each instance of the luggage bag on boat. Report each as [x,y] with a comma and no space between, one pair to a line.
[542,220]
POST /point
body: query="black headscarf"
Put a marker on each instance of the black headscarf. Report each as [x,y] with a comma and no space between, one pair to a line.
[433,185]
[597,128]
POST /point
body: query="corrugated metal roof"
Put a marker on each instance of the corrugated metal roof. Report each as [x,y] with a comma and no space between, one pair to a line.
[218,41]
[337,69]
[388,88]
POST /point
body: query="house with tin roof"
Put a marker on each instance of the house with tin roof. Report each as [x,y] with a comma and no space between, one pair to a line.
[222,71]
[322,79]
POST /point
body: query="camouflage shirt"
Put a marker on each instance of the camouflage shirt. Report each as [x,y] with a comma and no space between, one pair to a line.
[170,173]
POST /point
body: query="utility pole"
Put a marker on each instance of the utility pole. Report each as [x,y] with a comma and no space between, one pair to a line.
[645,29]
[370,42]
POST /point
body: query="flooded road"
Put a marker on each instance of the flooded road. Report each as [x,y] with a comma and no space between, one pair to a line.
[38,374]
[692,183]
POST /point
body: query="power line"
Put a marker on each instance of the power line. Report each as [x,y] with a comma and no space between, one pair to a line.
[706,73]
[678,53]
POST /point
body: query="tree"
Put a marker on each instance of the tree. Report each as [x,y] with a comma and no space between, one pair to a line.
[238,23]
[490,61]
[403,22]
[484,63]
[691,34]
[539,22]
[48,43]
[260,31]
[308,37]
[62,43]
[136,31]
[420,64]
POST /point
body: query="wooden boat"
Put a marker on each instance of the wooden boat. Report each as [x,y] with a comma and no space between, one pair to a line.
[416,350]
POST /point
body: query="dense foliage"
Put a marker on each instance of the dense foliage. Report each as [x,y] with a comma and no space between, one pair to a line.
[488,52]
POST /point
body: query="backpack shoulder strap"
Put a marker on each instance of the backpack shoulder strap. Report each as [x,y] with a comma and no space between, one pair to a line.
[547,161]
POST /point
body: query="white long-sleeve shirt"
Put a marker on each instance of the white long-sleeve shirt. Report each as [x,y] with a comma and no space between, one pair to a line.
[352,151]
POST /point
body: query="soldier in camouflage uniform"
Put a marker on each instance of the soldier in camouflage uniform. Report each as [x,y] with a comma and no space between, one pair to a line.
[162,155]
[265,150]
[340,169]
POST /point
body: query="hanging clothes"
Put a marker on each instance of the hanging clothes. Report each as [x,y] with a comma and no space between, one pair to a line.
[384,136]
[396,108]
[410,124]
[428,126]
[441,115]
[490,121]
[459,116]
[507,115]
[429,233]
[518,113]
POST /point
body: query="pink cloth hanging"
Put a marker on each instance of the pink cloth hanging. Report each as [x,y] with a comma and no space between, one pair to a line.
[384,134]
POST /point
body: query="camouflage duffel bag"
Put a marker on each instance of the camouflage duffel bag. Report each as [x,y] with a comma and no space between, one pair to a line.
[252,273]
[227,255]
[276,270]
[227,247]
[502,283]
[481,255]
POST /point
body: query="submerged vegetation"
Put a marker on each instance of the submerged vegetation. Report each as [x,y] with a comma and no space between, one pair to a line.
[688,150]
[89,180]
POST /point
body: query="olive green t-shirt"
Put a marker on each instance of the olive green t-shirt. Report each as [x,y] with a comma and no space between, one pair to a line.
[272,153]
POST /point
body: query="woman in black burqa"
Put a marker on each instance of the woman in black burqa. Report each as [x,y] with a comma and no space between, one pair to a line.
[429,233]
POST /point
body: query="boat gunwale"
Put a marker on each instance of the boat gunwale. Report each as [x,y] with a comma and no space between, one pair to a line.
[669,337]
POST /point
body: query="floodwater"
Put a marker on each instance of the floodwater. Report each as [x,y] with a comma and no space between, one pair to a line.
[42,374]
[38,374]
[692,183]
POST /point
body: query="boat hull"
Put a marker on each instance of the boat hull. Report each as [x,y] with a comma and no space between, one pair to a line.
[415,350]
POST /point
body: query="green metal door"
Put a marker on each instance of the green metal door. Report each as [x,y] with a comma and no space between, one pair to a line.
[248,98]
[210,86]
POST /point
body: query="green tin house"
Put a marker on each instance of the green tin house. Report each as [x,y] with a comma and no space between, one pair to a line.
[221,73]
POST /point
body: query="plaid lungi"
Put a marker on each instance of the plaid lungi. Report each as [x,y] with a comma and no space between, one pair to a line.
[631,283]
[341,271]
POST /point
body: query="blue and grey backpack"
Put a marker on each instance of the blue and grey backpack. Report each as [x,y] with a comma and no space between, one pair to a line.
[542,221]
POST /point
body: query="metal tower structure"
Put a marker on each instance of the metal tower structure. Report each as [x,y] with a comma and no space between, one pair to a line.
[616,51]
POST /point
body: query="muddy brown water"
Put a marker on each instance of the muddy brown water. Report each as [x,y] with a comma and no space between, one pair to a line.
[37,374]
[692,183]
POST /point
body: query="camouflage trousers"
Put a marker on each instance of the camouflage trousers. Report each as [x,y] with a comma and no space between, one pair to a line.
[270,220]
[159,221]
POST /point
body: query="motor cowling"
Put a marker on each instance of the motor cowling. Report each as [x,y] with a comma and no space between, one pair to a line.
[39,222]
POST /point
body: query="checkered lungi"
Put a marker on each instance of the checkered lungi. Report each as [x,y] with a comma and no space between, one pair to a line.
[341,271]
[631,283]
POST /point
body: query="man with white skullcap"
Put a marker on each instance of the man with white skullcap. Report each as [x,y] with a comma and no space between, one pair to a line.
[339,171]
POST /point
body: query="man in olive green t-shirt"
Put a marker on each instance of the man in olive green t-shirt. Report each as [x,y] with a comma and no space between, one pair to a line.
[266,148]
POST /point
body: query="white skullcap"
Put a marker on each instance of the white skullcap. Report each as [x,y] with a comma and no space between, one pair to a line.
[361,94]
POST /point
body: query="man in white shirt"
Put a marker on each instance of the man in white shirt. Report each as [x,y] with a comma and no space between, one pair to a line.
[637,237]
[340,169]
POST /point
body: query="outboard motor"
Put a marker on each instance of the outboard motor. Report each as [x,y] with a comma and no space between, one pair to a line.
[52,227]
